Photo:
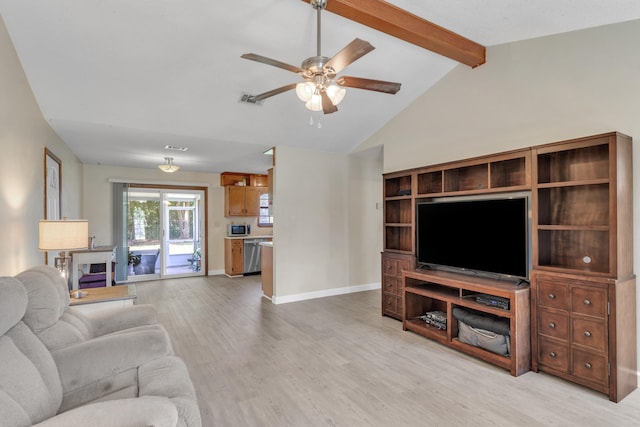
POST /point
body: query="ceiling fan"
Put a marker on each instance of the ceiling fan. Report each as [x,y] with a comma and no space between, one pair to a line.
[322,90]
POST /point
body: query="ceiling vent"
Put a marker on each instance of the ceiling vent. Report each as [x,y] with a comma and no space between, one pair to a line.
[249,99]
[175,148]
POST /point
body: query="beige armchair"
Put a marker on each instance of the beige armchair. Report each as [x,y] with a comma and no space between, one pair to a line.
[123,377]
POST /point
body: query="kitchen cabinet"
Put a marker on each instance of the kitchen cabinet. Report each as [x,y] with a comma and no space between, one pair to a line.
[242,200]
[250,179]
[233,257]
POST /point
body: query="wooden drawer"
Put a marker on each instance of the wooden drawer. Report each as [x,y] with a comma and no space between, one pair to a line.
[390,303]
[589,301]
[590,366]
[390,284]
[394,267]
[403,265]
[553,354]
[390,266]
[553,324]
[553,295]
[590,333]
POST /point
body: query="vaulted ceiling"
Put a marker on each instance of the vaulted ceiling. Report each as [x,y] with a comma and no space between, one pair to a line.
[118,80]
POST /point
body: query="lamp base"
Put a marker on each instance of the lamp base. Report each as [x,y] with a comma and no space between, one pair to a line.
[63,263]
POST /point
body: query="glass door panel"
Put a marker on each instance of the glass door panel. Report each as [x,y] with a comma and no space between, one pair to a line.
[144,233]
[183,249]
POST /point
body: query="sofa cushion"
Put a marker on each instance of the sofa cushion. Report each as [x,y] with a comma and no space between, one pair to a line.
[30,389]
[169,377]
[13,303]
[48,297]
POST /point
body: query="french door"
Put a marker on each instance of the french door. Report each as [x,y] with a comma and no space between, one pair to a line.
[164,231]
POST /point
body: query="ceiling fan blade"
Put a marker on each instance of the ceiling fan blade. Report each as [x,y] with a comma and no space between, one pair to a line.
[327,105]
[273,62]
[350,53]
[369,84]
[273,92]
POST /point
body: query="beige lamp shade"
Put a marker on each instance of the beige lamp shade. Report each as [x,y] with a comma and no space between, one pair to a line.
[63,235]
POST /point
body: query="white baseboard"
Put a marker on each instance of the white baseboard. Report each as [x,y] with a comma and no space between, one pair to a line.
[215,272]
[325,293]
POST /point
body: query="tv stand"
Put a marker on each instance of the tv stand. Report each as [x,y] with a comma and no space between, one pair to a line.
[431,290]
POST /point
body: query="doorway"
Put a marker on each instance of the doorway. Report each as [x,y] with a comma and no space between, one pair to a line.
[164,232]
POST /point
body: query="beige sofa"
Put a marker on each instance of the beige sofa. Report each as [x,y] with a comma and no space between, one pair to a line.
[61,368]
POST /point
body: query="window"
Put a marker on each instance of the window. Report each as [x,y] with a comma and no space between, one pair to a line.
[265,219]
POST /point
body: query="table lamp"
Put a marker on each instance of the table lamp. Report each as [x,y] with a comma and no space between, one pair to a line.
[63,235]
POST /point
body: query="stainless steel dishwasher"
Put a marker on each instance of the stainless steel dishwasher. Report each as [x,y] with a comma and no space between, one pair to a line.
[252,255]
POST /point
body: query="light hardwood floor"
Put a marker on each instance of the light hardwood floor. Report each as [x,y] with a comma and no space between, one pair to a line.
[337,362]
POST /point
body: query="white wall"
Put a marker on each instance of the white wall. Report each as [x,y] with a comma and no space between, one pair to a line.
[325,222]
[528,93]
[23,136]
[97,202]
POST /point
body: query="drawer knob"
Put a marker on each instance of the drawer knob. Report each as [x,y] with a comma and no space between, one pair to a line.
[552,296]
[587,302]
[587,365]
[587,333]
[552,325]
[552,354]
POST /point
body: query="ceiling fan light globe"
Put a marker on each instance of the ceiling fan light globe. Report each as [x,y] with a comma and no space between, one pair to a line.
[336,93]
[315,103]
[305,91]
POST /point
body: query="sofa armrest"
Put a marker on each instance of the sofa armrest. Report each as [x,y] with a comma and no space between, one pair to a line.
[118,319]
[143,411]
[93,360]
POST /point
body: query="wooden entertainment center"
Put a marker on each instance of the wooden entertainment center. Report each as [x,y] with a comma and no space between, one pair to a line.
[577,319]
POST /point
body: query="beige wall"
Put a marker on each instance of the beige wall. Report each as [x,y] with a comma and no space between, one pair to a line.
[528,93]
[23,136]
[365,217]
[327,231]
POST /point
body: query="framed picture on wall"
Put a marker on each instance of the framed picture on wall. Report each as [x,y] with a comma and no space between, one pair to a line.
[52,185]
[52,189]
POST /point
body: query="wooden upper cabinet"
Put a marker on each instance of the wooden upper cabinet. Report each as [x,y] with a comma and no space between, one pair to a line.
[242,193]
[240,178]
[234,200]
[252,200]
[242,201]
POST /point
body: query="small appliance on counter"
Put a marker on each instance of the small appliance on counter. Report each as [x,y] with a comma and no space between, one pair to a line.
[237,230]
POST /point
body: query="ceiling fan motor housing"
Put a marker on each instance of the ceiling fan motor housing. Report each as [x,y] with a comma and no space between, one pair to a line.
[316,65]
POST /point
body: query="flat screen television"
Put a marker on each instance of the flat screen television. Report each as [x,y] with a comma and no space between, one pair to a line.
[488,236]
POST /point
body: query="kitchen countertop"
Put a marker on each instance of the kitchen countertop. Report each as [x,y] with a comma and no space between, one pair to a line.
[249,237]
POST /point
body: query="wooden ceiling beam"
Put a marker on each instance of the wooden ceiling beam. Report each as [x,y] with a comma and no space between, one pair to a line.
[406,26]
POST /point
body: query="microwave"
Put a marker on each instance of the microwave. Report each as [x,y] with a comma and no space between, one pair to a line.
[238,230]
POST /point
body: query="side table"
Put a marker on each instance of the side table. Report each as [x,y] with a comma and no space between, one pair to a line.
[98,299]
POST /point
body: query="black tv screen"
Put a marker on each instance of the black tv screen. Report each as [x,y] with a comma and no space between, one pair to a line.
[483,235]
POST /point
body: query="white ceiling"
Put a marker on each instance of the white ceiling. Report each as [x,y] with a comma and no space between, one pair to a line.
[120,79]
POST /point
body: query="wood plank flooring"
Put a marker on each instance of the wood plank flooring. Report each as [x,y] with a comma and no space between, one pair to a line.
[337,362]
